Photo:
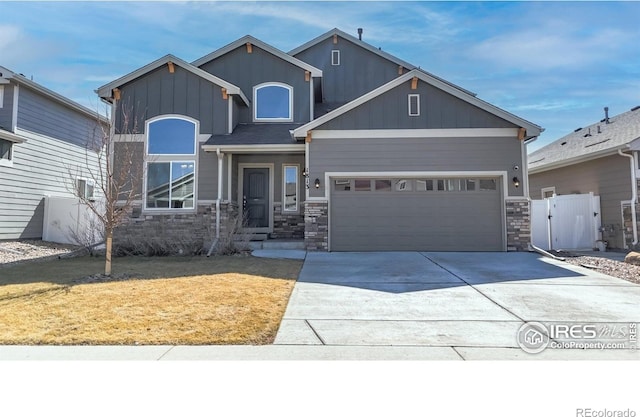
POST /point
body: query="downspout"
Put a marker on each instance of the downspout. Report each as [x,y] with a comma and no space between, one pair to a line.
[215,241]
[634,196]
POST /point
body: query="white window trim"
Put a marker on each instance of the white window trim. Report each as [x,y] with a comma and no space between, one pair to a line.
[1,96]
[171,161]
[171,158]
[171,116]
[545,190]
[417,97]
[255,102]
[284,188]
[335,53]
[87,181]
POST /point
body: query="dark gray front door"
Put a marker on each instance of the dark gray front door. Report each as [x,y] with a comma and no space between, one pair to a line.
[255,196]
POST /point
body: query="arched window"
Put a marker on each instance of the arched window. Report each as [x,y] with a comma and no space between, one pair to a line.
[273,102]
[170,172]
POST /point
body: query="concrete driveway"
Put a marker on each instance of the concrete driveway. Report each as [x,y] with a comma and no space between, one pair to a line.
[468,305]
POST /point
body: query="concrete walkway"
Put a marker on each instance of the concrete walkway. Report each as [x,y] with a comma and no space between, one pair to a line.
[473,303]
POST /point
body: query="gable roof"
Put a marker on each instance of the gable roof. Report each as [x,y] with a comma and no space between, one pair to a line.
[105,91]
[315,72]
[370,48]
[594,141]
[533,130]
[7,74]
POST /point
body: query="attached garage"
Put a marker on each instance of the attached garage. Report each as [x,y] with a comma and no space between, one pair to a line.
[426,214]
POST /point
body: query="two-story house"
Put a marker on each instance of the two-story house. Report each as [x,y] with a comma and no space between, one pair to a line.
[43,151]
[336,142]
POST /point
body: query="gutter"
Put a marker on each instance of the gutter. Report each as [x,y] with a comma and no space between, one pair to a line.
[634,196]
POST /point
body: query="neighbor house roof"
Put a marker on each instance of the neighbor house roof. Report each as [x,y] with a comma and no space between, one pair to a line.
[105,91]
[533,130]
[315,72]
[20,79]
[593,141]
[371,48]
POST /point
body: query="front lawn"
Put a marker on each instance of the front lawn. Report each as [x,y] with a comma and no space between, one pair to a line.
[218,300]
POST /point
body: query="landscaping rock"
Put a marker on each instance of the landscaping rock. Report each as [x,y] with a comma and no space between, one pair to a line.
[632,258]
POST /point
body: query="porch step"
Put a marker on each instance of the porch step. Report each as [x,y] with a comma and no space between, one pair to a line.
[277,244]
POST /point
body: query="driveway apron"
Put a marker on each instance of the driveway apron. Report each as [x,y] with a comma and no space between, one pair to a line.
[465,300]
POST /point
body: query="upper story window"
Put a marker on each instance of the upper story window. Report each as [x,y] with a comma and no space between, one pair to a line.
[171,136]
[1,96]
[414,104]
[273,102]
[170,173]
[335,57]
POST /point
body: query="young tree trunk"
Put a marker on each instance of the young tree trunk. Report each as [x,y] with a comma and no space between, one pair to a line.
[107,262]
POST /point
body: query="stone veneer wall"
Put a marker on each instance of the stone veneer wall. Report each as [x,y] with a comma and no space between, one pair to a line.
[316,225]
[191,230]
[287,225]
[628,226]
[518,225]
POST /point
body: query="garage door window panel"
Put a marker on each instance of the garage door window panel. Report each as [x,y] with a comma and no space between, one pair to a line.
[403,185]
[362,185]
[342,185]
[383,185]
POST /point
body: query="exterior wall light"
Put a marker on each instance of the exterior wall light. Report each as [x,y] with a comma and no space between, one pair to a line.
[317,183]
[516,182]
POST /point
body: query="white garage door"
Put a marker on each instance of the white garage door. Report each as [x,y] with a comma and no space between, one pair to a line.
[429,214]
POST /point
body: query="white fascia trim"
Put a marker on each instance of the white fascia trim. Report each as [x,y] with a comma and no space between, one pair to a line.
[532,130]
[105,90]
[415,133]
[575,160]
[418,174]
[315,72]
[11,137]
[254,148]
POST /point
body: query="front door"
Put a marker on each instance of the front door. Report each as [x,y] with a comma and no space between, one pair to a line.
[255,197]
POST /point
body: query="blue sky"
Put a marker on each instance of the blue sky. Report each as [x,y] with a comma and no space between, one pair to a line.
[556,64]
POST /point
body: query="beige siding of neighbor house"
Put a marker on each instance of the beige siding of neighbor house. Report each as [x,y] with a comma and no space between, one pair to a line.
[607,177]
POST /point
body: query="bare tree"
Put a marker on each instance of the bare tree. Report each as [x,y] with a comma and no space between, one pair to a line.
[117,177]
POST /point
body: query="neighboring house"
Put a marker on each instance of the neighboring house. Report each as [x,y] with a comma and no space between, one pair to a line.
[43,138]
[337,143]
[601,158]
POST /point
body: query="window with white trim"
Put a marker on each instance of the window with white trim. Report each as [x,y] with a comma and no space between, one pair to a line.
[5,150]
[273,102]
[290,188]
[548,192]
[414,104]
[1,96]
[170,175]
[335,57]
[85,188]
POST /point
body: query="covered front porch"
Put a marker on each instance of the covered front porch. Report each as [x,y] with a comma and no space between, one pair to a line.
[260,171]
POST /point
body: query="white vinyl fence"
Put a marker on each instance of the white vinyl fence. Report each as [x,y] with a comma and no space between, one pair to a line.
[67,220]
[568,222]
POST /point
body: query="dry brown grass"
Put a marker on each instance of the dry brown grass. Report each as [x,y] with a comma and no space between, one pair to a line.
[219,300]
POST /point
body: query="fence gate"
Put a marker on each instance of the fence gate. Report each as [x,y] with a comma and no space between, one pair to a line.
[569,222]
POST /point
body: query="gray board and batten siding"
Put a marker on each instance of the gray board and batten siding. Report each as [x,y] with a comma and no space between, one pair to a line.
[359,72]
[413,154]
[413,219]
[607,177]
[160,92]
[247,70]
[438,110]
[6,111]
